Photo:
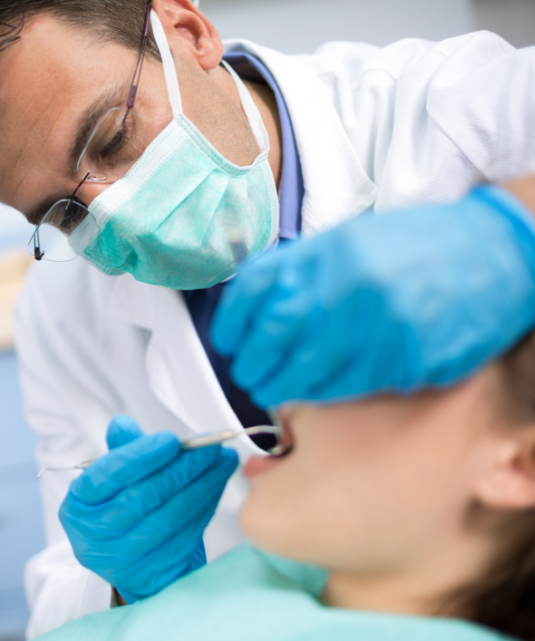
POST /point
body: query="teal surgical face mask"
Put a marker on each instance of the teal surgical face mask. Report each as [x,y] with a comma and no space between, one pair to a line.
[168,220]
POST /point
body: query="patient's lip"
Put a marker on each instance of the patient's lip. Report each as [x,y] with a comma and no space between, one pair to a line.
[257,465]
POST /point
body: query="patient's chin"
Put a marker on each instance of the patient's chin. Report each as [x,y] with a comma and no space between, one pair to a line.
[274,531]
[263,526]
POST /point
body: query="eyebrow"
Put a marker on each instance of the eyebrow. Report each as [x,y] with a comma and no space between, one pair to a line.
[86,125]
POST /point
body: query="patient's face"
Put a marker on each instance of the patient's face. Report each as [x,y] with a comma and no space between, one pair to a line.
[373,484]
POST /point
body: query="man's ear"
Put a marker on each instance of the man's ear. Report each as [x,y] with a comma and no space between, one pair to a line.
[188,30]
[509,481]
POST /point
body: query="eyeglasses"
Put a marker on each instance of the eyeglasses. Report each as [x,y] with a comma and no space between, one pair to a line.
[116,144]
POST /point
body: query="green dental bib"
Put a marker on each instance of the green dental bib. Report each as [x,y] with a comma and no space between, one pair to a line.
[250,596]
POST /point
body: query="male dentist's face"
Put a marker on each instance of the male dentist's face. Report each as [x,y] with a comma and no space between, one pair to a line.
[58,80]
[55,84]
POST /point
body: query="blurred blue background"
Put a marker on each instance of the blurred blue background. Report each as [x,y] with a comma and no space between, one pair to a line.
[21,529]
[292,26]
[21,521]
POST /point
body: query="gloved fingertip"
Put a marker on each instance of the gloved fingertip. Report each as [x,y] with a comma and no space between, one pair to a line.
[70,506]
[241,374]
[165,441]
[219,333]
[216,458]
[264,401]
[203,457]
[198,558]
[122,430]
[217,338]
[63,512]
[229,459]
[230,454]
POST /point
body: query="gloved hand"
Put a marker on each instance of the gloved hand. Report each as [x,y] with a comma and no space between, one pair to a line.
[395,302]
[136,516]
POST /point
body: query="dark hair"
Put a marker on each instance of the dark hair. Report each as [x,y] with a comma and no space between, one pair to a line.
[504,598]
[118,21]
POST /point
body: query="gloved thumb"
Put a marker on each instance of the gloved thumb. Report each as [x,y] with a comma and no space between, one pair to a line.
[122,430]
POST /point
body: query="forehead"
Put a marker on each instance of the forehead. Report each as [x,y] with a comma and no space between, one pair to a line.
[47,80]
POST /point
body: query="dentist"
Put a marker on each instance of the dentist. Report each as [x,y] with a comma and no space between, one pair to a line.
[121,128]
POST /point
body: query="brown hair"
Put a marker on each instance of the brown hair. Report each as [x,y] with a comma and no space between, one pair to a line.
[504,598]
[118,21]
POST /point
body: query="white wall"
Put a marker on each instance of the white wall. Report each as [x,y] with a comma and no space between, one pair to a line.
[299,26]
[512,19]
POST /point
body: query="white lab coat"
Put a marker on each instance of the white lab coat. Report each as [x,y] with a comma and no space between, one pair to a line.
[414,122]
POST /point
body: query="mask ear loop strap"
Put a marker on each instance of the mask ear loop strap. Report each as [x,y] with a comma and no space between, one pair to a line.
[251,110]
[169,68]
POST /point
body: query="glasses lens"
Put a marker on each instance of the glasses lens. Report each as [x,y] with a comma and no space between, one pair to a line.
[58,237]
[116,144]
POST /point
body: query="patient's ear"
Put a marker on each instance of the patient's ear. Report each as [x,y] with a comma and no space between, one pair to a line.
[188,29]
[508,483]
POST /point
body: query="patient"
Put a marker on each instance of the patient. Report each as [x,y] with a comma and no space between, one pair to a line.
[420,511]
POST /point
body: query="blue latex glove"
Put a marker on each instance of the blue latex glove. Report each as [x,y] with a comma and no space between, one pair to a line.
[421,297]
[136,517]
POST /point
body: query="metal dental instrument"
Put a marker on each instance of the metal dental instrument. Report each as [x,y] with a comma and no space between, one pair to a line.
[215,439]
[80,466]
[202,441]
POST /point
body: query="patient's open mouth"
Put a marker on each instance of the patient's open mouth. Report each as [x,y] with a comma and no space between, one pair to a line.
[257,465]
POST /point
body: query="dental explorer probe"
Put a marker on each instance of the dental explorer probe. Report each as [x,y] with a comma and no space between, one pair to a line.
[199,442]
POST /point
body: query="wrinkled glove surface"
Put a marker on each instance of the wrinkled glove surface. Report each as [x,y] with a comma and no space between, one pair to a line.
[396,302]
[136,517]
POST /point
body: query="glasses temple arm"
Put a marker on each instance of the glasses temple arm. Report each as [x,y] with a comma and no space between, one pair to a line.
[37,253]
[137,71]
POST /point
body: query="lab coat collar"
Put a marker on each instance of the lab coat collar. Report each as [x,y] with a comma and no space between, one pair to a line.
[177,366]
[178,370]
[157,310]
[133,302]
[336,185]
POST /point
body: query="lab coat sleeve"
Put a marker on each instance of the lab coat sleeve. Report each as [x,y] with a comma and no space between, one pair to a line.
[51,576]
[430,120]
[61,410]
[86,355]
[488,112]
